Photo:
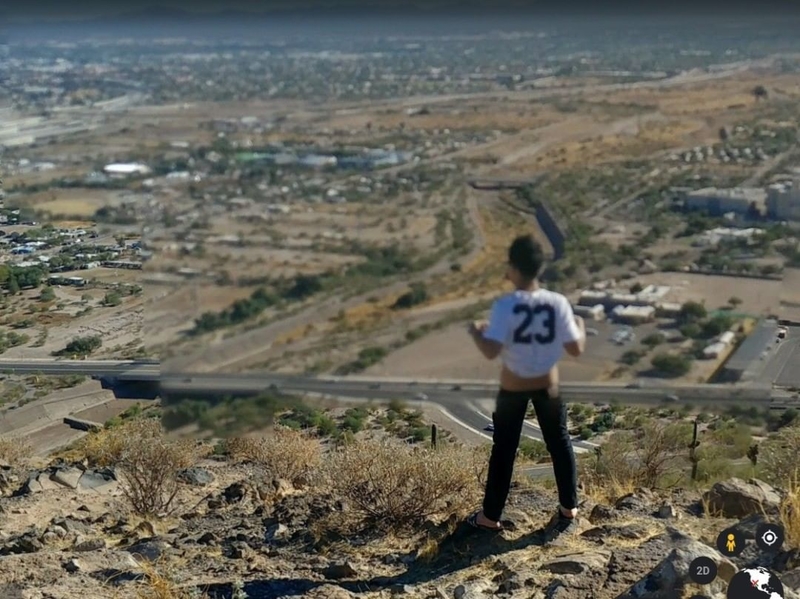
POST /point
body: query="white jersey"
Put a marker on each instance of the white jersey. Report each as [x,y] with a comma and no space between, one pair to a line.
[533,327]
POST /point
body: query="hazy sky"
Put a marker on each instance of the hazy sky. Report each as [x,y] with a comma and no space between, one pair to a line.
[49,9]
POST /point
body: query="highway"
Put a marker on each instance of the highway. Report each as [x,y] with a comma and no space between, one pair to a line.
[466,402]
[178,383]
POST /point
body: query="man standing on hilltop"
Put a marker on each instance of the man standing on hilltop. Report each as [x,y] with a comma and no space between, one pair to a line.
[529,328]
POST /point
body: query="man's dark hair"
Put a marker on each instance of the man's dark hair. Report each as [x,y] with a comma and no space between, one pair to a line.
[526,255]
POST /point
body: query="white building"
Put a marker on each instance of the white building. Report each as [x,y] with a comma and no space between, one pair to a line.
[125,169]
[649,296]
[596,312]
[715,236]
[653,293]
[714,350]
[634,314]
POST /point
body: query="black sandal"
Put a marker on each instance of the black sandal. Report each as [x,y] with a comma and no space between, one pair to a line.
[473,522]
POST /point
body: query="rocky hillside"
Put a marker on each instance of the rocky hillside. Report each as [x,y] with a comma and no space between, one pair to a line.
[283,517]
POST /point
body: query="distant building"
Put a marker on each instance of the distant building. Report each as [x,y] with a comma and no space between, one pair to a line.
[715,236]
[592,298]
[745,361]
[74,281]
[653,293]
[714,350]
[122,264]
[634,314]
[668,309]
[125,169]
[596,312]
[739,200]
[318,161]
[783,201]
[647,297]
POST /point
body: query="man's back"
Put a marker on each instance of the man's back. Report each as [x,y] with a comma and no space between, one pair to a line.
[533,327]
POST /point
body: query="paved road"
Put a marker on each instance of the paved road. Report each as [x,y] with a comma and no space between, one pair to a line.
[784,367]
[530,428]
[443,390]
[378,387]
[462,401]
[85,367]
[781,365]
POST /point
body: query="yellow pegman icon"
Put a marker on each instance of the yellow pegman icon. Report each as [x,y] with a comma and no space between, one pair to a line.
[731,545]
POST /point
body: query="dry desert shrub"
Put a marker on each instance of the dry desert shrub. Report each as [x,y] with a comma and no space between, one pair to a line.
[285,453]
[779,466]
[14,452]
[391,485]
[653,456]
[150,464]
[161,585]
[101,448]
[790,517]
[777,458]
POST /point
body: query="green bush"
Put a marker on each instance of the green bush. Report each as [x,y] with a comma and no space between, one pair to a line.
[671,364]
[654,339]
[533,449]
[420,433]
[81,346]
[417,294]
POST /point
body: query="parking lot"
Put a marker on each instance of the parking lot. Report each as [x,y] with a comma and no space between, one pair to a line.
[602,352]
[449,354]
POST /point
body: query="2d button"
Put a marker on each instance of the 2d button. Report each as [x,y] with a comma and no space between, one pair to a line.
[769,536]
[703,570]
[730,542]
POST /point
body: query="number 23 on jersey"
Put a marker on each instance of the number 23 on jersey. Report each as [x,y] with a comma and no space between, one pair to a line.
[538,324]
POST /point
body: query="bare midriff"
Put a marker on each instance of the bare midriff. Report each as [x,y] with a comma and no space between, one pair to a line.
[513,382]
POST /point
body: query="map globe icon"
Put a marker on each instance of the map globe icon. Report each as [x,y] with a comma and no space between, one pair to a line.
[755,583]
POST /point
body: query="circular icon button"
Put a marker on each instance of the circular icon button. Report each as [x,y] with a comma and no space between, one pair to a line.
[754,582]
[769,537]
[703,570]
[730,543]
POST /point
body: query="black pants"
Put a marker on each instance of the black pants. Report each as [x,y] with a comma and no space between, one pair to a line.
[508,419]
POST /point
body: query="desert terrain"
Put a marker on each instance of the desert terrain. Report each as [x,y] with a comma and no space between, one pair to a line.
[627,136]
[274,516]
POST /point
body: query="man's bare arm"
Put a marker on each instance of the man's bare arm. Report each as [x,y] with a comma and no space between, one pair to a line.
[576,348]
[490,349]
